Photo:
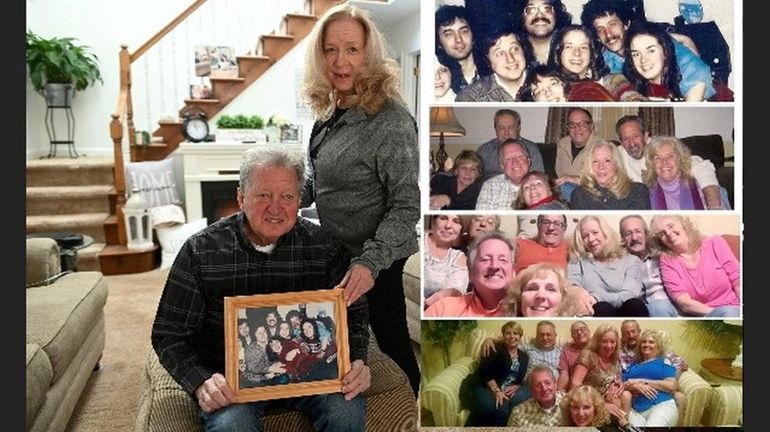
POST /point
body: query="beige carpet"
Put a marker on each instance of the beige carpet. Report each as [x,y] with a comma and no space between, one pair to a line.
[111,397]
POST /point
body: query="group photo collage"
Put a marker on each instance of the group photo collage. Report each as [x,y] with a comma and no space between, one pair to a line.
[581,231]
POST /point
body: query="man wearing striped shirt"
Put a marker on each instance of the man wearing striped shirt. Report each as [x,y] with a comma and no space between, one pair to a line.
[262,249]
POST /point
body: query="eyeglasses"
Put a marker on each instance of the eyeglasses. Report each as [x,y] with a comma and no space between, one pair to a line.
[580,330]
[555,224]
[580,124]
[542,7]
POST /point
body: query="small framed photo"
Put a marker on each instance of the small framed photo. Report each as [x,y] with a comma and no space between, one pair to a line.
[286,345]
[200,91]
[291,134]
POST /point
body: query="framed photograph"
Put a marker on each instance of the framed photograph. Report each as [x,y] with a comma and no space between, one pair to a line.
[286,345]
[200,91]
[291,134]
[203,59]
[223,62]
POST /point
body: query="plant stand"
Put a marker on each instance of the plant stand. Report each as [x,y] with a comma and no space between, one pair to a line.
[50,128]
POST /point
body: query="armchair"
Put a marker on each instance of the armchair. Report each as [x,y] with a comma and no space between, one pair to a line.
[441,396]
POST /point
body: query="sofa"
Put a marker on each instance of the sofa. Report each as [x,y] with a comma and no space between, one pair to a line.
[65,335]
[441,396]
[390,403]
[709,147]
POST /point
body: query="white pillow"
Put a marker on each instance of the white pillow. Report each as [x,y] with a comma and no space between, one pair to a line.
[172,238]
[155,180]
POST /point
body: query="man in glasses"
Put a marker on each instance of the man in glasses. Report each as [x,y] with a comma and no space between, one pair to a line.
[570,156]
[540,19]
[500,191]
[548,246]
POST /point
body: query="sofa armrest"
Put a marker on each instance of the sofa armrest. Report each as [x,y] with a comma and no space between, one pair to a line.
[697,394]
[726,406]
[441,396]
[42,260]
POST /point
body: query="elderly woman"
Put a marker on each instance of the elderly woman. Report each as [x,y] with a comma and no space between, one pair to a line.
[601,265]
[490,259]
[604,184]
[538,192]
[458,191]
[599,366]
[504,58]
[576,55]
[700,274]
[540,290]
[669,176]
[445,268]
[495,388]
[652,383]
[364,165]
[583,406]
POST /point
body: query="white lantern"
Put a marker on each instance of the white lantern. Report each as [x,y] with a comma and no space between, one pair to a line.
[138,222]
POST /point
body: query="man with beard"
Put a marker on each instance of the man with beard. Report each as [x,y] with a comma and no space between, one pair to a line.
[581,334]
[633,136]
[540,19]
[507,125]
[548,246]
[634,233]
[544,407]
[454,45]
[501,190]
[610,19]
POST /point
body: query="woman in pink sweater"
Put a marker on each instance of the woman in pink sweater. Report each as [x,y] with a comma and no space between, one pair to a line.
[701,274]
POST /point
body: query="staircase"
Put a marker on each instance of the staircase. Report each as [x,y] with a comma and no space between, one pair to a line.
[115,258]
[81,207]
[273,47]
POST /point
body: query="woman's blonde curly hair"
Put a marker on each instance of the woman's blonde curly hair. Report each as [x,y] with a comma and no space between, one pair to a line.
[377,81]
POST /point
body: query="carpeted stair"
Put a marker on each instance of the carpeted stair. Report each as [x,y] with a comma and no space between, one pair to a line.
[71,195]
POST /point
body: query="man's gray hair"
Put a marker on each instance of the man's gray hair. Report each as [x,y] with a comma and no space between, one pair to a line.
[495,234]
[270,157]
[538,369]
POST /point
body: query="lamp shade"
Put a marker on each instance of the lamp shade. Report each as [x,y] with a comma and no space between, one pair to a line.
[443,121]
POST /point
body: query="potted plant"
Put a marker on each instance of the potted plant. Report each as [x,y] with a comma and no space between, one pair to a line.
[58,67]
[246,129]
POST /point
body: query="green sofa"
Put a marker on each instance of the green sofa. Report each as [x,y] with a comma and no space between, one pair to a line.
[65,335]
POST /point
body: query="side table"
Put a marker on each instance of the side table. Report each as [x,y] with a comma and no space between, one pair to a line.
[69,245]
[718,371]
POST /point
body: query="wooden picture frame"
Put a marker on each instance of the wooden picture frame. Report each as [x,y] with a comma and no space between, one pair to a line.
[306,373]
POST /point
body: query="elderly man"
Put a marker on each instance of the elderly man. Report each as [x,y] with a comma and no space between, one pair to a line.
[570,154]
[507,126]
[540,19]
[544,408]
[548,246]
[454,45]
[498,192]
[633,136]
[581,335]
[490,269]
[543,351]
[633,234]
[610,19]
[262,249]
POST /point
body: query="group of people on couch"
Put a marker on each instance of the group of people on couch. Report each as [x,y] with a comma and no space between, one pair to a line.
[530,50]
[643,173]
[625,377]
[666,269]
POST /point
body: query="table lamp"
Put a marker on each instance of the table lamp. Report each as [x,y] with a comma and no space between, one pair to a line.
[738,362]
[443,123]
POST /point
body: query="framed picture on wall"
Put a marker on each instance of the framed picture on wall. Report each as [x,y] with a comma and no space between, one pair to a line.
[286,345]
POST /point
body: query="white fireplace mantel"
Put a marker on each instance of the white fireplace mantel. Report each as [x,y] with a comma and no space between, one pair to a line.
[205,162]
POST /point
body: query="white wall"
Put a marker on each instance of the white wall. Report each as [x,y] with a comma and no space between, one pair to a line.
[103,25]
